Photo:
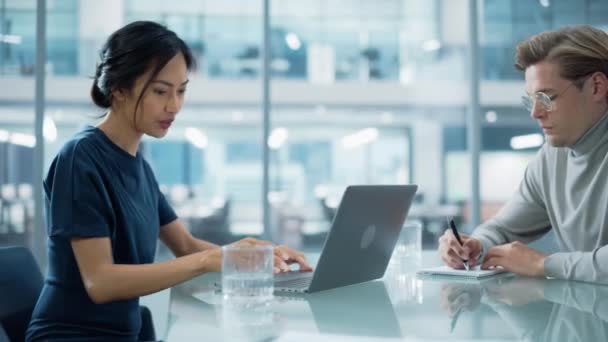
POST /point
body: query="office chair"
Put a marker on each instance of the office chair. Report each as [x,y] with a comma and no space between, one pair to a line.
[20,286]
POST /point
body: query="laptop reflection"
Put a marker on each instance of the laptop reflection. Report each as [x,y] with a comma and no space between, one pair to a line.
[359,310]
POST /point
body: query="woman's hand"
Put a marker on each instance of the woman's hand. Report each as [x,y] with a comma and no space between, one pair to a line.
[284,256]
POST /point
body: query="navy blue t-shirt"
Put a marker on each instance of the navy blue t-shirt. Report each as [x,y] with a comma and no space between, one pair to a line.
[95,189]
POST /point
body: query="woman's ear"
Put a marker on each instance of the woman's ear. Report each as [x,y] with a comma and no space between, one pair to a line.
[118,95]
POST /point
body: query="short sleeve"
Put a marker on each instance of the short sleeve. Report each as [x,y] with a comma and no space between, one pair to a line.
[77,201]
[166,214]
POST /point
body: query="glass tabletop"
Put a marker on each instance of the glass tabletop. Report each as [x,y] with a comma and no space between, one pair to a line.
[401,306]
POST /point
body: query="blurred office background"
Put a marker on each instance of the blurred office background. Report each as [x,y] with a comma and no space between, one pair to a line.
[362,92]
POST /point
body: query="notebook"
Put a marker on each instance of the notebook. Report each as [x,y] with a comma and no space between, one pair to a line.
[474,273]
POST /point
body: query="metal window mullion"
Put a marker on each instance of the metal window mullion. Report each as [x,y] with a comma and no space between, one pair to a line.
[266,234]
[38,229]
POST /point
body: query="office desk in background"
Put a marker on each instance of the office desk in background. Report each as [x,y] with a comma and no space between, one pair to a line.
[399,307]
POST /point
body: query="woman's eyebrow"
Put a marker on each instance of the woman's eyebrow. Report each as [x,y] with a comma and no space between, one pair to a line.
[169,84]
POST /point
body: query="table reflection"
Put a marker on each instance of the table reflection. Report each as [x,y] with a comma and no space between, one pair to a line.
[360,310]
[260,323]
[400,278]
[536,309]
[400,305]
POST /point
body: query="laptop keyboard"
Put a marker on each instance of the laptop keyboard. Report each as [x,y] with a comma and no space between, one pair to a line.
[293,279]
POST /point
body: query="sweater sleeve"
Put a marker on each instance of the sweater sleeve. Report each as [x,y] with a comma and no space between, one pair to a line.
[523,218]
[583,266]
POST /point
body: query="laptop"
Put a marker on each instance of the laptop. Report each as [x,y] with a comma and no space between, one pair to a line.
[361,239]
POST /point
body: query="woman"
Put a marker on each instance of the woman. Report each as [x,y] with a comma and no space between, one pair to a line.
[104,207]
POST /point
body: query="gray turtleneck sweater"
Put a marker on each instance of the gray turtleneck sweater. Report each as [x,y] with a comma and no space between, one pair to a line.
[565,189]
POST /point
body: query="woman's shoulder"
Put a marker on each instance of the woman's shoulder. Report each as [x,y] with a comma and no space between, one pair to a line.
[80,144]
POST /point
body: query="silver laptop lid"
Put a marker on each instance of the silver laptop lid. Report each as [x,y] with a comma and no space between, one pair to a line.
[363,235]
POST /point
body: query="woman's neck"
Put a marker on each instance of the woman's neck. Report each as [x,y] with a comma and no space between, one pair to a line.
[122,133]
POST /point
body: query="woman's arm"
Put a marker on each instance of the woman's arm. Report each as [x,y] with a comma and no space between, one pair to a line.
[180,241]
[106,281]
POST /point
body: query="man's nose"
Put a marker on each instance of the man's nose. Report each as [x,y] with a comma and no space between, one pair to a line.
[537,110]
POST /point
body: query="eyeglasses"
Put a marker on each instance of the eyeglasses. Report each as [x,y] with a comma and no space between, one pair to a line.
[547,101]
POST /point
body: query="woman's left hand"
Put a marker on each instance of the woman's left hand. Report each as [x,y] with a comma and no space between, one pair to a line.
[285,256]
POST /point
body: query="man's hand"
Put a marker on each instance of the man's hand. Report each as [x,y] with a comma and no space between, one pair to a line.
[516,291]
[456,297]
[516,257]
[452,253]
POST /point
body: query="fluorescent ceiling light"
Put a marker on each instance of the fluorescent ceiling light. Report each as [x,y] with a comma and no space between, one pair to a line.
[22,139]
[10,39]
[4,135]
[196,137]
[49,129]
[545,3]
[321,191]
[491,116]
[293,41]
[277,138]
[431,45]
[362,137]
[526,141]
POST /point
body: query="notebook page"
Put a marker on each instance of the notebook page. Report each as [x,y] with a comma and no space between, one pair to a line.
[475,272]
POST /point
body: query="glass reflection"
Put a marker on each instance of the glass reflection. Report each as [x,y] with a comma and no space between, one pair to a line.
[536,309]
[400,278]
[260,323]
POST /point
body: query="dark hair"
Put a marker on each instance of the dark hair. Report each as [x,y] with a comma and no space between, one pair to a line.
[129,53]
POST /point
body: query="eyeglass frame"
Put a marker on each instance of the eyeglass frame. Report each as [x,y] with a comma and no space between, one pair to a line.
[548,101]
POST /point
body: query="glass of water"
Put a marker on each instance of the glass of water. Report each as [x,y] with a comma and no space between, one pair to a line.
[409,245]
[247,275]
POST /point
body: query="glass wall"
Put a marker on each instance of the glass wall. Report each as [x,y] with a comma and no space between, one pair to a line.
[18,19]
[352,48]
[362,93]
[17,142]
[506,22]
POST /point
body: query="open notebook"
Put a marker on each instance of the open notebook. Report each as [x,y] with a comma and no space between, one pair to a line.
[474,273]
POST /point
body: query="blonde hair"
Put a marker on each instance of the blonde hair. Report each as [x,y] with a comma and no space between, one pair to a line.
[577,50]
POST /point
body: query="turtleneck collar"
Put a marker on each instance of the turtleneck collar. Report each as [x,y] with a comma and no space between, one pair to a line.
[594,137]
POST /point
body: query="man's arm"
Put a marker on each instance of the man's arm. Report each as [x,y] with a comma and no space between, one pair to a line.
[523,218]
[583,266]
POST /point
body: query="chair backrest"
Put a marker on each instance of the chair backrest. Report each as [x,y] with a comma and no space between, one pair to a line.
[20,285]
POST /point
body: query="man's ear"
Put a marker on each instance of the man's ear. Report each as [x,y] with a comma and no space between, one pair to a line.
[600,86]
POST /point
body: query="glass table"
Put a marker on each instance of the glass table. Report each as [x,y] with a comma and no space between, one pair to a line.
[401,306]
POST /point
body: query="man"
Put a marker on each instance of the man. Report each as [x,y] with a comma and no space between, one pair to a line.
[565,187]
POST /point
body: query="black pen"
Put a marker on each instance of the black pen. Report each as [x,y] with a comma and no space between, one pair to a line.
[455,231]
[455,319]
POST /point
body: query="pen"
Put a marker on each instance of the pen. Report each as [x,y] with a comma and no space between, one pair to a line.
[455,231]
[455,319]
